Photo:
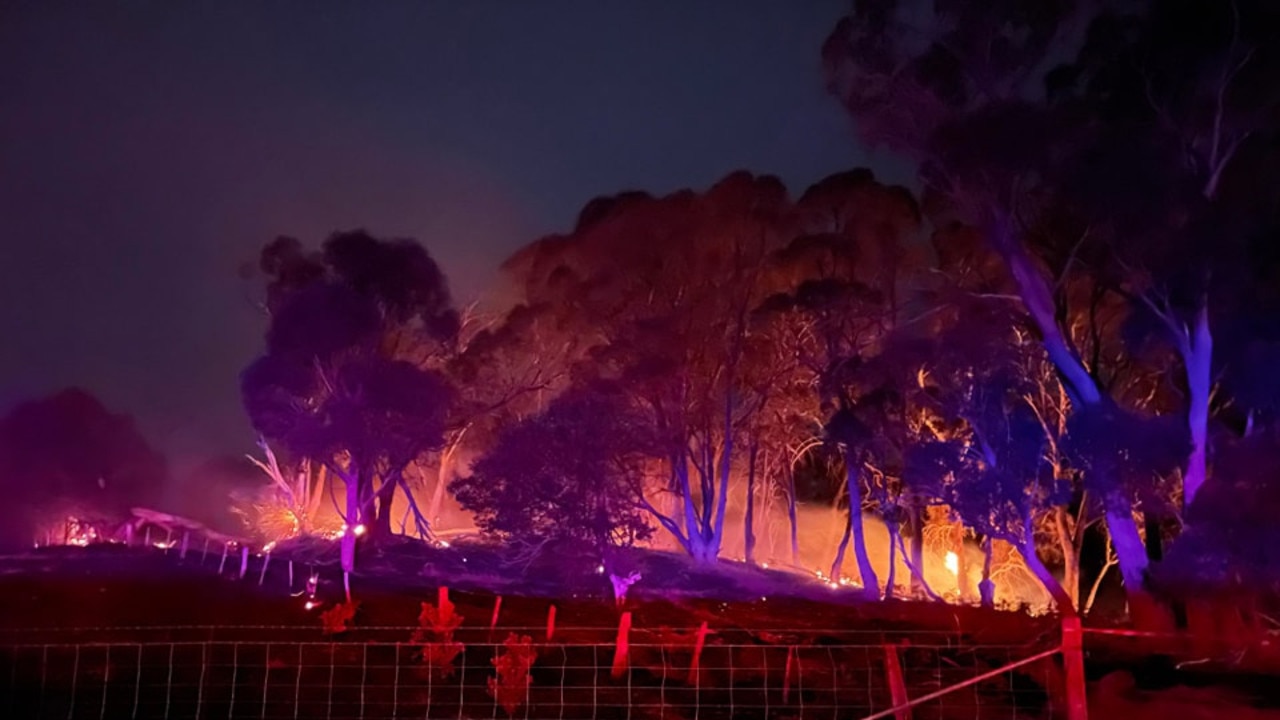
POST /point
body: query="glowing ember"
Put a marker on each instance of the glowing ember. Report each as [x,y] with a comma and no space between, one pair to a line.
[358,530]
[952,563]
[444,543]
[599,569]
[269,546]
[163,545]
[310,605]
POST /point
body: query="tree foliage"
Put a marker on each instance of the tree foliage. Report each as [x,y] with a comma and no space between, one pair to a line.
[572,473]
[68,454]
[338,384]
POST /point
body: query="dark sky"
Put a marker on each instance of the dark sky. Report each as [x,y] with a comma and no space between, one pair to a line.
[148,149]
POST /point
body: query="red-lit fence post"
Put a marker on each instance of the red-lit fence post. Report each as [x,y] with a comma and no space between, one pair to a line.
[897,685]
[623,646]
[697,652]
[551,622]
[1073,660]
[497,606]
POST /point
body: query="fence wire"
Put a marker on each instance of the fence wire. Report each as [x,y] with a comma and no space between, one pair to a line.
[338,678]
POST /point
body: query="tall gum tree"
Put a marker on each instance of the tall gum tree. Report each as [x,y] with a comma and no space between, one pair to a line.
[1173,117]
[952,89]
[330,386]
[658,292]
[841,279]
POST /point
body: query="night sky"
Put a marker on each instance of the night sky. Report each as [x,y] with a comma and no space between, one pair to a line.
[147,150]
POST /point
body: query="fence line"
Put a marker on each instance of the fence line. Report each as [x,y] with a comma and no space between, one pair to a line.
[336,679]
[374,672]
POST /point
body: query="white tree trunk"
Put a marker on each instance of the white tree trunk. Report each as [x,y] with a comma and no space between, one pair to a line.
[443,475]
[1084,393]
[866,572]
[1035,295]
[348,545]
[1130,550]
[726,464]
[1070,558]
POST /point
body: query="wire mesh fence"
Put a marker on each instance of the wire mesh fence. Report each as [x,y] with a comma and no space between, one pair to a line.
[215,677]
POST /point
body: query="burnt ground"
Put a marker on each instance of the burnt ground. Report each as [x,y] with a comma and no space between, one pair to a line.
[254,642]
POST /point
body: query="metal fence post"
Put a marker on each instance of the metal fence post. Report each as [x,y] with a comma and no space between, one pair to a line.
[623,646]
[1073,660]
[897,685]
[699,642]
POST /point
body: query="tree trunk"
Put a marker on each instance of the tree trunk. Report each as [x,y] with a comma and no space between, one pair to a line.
[917,573]
[1130,550]
[892,528]
[1144,611]
[1027,548]
[1197,352]
[791,515]
[444,474]
[987,587]
[348,545]
[866,573]
[837,565]
[962,561]
[726,465]
[1039,302]
[693,527]
[380,527]
[1081,388]
[1070,559]
[702,549]
[1046,578]
[317,495]
[1152,522]
[919,586]
[748,523]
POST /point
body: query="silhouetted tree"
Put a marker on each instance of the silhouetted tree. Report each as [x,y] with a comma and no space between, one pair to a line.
[68,454]
[334,386]
[572,473]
